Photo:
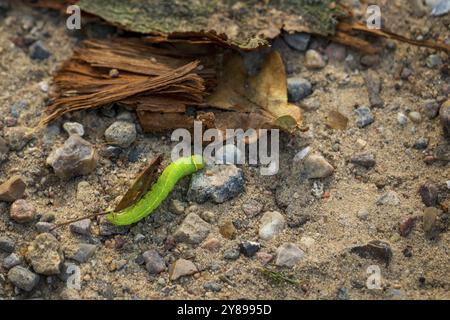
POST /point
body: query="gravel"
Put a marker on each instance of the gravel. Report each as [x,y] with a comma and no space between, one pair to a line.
[23,278]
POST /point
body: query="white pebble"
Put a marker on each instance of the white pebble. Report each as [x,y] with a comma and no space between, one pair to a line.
[402,119]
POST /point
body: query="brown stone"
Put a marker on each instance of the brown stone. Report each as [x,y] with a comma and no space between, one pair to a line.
[227,230]
[22,211]
[181,268]
[12,189]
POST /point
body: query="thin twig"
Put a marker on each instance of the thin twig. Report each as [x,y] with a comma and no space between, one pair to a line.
[79,219]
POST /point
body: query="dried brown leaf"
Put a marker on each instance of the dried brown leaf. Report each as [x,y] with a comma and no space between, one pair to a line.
[141,184]
[261,100]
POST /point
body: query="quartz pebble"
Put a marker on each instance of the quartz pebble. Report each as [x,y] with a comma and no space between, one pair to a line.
[181,268]
[314,60]
[74,128]
[217,183]
[76,157]
[415,117]
[22,211]
[193,230]
[317,167]
[288,255]
[272,223]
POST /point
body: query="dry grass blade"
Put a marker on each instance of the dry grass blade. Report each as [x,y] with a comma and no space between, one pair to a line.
[358,26]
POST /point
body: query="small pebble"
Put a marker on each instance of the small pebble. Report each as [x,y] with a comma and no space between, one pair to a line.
[17,137]
[39,52]
[121,133]
[415,117]
[433,61]
[407,226]
[389,198]
[366,160]
[44,227]
[421,144]
[288,255]
[298,89]
[264,258]
[82,227]
[430,217]
[249,248]
[212,245]
[84,252]
[429,193]
[23,278]
[431,109]
[212,286]
[7,245]
[12,189]
[377,250]
[45,255]
[22,211]
[444,115]
[154,263]
[252,208]
[317,167]
[232,254]
[76,157]
[11,261]
[193,230]
[402,119]
[314,60]
[74,128]
[364,117]
[298,41]
[181,268]
[227,230]
[218,183]
[370,60]
[177,207]
[272,223]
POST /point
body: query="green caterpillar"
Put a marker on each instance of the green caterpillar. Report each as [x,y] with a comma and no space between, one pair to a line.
[159,191]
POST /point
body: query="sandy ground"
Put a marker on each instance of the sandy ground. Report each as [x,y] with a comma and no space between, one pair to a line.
[328,271]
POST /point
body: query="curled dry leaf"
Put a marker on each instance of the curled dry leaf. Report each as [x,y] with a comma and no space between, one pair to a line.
[141,185]
[258,101]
